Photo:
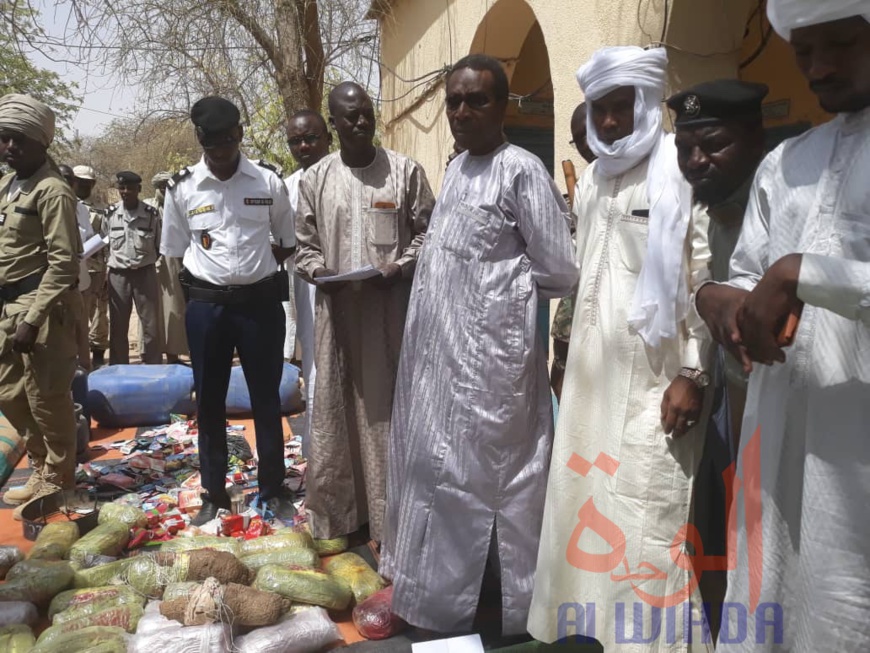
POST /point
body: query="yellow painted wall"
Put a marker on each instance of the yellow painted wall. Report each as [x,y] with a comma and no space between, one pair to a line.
[705,39]
[776,67]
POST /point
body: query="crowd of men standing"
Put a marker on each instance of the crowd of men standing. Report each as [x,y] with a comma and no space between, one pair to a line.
[719,319]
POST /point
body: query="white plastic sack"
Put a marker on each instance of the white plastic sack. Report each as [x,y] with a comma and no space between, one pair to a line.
[306,631]
[157,633]
[17,612]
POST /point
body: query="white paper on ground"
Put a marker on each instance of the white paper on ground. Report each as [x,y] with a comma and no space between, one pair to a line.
[467,644]
[366,272]
[92,246]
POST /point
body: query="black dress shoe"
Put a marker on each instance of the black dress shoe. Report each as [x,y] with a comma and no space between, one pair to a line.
[209,511]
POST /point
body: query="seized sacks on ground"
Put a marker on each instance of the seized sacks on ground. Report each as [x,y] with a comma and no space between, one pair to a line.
[309,586]
[36,581]
[150,574]
[374,618]
[119,616]
[356,572]
[9,557]
[235,604]
[203,542]
[95,639]
[283,539]
[18,612]
[55,541]
[78,603]
[131,516]
[107,539]
[293,556]
[157,633]
[305,630]
[17,638]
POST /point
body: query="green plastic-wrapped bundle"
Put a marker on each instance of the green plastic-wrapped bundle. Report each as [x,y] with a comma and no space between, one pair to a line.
[111,573]
[293,556]
[108,539]
[228,544]
[125,617]
[36,581]
[331,547]
[283,539]
[179,590]
[305,586]
[55,541]
[76,603]
[356,572]
[9,557]
[132,516]
[95,639]
[16,639]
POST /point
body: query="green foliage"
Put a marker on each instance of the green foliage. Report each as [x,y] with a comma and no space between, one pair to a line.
[18,74]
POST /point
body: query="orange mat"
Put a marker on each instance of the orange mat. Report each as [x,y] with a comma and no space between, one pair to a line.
[11,531]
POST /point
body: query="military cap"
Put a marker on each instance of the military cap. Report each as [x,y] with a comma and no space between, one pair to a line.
[85,172]
[713,102]
[127,177]
[214,114]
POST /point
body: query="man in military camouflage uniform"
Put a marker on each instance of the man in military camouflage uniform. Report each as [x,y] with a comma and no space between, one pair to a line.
[171,305]
[39,271]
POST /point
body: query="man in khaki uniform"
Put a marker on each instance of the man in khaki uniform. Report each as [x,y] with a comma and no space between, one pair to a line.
[133,230]
[97,294]
[171,305]
[39,270]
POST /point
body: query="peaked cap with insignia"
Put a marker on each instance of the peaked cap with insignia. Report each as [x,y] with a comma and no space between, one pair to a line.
[713,102]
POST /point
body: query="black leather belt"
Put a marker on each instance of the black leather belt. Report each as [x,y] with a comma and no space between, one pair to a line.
[12,291]
[266,290]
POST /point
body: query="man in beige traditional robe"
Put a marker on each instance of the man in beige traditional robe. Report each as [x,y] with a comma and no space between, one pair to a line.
[361,206]
[613,562]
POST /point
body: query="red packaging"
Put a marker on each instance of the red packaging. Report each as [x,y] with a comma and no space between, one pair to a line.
[231,524]
[257,528]
[374,618]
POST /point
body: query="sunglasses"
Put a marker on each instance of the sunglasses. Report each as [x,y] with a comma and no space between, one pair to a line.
[308,139]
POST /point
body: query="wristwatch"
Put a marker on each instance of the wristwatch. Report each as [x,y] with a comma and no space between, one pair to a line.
[699,378]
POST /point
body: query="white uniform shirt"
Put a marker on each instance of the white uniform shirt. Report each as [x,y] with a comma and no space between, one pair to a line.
[86,231]
[293,187]
[222,228]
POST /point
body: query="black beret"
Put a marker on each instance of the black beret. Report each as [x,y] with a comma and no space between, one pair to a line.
[127,177]
[712,102]
[214,114]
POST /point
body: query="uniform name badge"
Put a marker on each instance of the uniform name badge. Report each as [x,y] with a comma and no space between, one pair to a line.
[205,240]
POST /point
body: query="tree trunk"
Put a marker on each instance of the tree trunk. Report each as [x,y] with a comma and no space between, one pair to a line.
[289,69]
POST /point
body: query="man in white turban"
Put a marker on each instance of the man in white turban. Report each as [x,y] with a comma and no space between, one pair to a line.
[40,303]
[801,581]
[630,432]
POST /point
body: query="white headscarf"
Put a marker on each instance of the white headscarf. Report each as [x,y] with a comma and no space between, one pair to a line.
[609,69]
[27,116]
[788,15]
[661,299]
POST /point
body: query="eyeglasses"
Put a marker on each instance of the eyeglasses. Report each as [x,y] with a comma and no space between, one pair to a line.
[308,139]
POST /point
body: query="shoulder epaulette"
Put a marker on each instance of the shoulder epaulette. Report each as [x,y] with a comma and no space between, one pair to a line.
[178,176]
[151,209]
[270,166]
[111,210]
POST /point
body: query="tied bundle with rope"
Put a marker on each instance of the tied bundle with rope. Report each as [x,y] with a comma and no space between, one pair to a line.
[234,604]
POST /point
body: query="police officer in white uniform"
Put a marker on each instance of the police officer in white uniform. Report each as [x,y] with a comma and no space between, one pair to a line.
[133,231]
[219,215]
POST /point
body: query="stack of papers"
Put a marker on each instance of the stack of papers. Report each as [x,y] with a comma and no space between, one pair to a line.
[366,272]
